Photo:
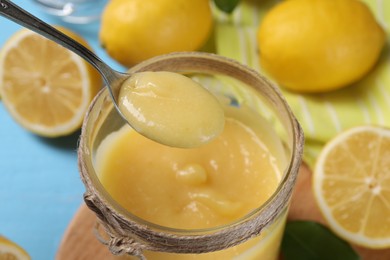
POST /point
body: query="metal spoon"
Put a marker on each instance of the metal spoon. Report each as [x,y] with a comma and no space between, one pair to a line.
[112,78]
[193,129]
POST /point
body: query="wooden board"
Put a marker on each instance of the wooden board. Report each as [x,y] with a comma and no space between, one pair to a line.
[79,242]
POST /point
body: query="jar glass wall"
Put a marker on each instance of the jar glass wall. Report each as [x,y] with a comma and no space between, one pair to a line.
[73,11]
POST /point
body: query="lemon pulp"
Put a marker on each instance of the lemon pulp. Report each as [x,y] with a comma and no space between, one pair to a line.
[45,87]
[352,186]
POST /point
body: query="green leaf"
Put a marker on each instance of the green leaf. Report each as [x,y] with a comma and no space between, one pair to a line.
[226,5]
[306,240]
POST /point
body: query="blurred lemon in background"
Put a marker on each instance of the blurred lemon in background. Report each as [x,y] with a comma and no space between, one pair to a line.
[45,87]
[319,45]
[135,30]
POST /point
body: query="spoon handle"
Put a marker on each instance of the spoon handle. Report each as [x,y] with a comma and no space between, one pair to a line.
[18,15]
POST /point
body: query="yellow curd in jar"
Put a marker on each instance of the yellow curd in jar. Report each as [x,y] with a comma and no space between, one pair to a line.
[206,165]
[208,186]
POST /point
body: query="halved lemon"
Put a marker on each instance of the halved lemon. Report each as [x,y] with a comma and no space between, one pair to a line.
[11,251]
[351,184]
[45,87]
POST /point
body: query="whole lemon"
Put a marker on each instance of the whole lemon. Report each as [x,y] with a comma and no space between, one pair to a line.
[319,45]
[134,30]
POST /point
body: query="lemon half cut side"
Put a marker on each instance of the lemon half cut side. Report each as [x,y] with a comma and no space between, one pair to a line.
[45,87]
[351,184]
[11,251]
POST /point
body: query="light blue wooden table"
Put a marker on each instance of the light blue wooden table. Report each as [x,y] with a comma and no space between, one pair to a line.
[40,187]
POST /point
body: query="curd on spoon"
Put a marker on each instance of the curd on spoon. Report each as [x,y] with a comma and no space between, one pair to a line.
[171,109]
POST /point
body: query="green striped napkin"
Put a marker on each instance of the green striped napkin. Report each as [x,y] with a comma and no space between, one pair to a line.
[322,116]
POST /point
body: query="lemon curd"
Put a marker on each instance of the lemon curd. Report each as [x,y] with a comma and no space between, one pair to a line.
[171,109]
[208,186]
[225,199]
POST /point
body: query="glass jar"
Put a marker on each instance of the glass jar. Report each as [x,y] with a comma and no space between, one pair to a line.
[73,11]
[258,234]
